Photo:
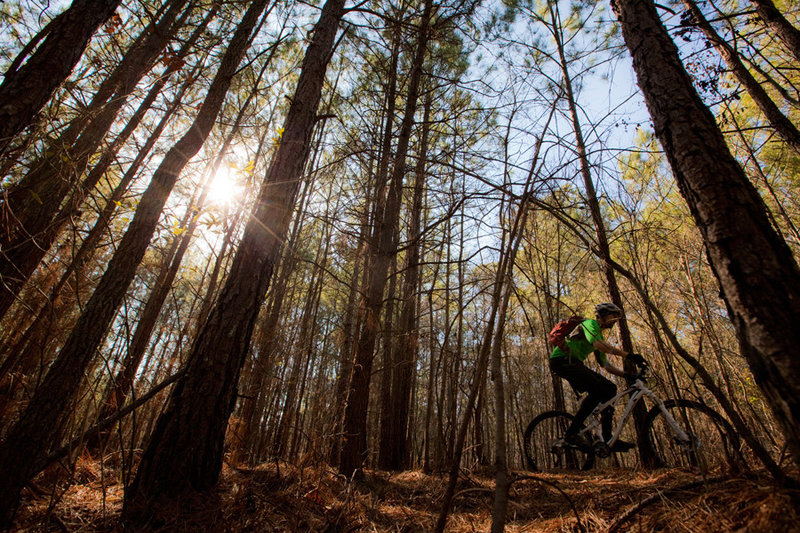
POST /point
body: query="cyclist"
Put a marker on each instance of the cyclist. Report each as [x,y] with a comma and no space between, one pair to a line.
[568,364]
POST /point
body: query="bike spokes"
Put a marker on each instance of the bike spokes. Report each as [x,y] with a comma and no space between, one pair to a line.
[708,444]
[545,448]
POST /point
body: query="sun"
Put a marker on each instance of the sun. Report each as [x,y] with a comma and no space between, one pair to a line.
[225,188]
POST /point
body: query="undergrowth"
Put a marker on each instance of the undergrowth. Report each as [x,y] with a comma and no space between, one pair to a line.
[281,497]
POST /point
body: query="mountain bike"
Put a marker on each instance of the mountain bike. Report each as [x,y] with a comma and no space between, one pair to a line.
[680,433]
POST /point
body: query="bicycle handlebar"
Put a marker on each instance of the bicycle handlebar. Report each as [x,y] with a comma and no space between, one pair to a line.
[642,371]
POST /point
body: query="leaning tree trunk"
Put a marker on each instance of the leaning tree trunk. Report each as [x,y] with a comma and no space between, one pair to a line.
[775,21]
[758,275]
[185,450]
[782,125]
[30,209]
[506,281]
[40,425]
[27,89]
[35,338]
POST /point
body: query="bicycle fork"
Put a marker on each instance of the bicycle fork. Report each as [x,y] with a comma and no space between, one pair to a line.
[680,435]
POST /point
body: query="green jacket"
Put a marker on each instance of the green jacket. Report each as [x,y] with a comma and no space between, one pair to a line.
[580,340]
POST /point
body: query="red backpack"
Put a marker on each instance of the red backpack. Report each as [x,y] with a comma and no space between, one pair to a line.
[558,335]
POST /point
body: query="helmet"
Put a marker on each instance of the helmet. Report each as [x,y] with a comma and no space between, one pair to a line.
[607,308]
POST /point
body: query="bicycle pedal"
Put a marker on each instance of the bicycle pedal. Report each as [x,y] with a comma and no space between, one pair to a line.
[601,449]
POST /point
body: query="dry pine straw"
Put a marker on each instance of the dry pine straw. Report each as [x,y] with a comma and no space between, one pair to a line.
[285,498]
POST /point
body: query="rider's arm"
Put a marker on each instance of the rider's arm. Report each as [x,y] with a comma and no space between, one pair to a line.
[611,369]
[603,346]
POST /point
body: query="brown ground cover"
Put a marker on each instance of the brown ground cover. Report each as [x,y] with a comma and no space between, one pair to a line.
[287,498]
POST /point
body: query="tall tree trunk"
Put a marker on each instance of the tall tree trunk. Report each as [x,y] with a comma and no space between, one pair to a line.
[354,320]
[758,275]
[384,247]
[435,434]
[501,474]
[390,356]
[30,210]
[408,326]
[458,350]
[185,450]
[774,19]
[41,424]
[307,338]
[350,328]
[27,89]
[270,336]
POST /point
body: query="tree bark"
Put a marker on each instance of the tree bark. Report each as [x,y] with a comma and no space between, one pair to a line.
[185,450]
[774,19]
[27,89]
[41,424]
[758,275]
[389,360]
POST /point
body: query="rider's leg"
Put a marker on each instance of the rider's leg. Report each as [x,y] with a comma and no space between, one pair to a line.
[607,419]
[585,380]
[587,406]
[601,391]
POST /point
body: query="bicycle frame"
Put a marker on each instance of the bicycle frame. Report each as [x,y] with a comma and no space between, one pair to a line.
[636,391]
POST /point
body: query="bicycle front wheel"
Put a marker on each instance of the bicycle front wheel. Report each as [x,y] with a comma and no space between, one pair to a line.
[545,450]
[712,446]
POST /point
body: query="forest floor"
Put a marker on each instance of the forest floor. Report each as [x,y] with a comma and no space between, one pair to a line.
[284,498]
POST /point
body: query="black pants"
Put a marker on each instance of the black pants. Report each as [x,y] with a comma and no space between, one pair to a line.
[583,379]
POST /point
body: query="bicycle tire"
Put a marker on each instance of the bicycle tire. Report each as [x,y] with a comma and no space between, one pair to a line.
[714,444]
[542,454]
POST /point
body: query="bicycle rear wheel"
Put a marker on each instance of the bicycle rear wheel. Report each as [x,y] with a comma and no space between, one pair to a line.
[713,445]
[545,450]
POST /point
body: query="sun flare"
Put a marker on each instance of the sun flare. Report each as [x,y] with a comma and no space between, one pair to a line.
[225,187]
